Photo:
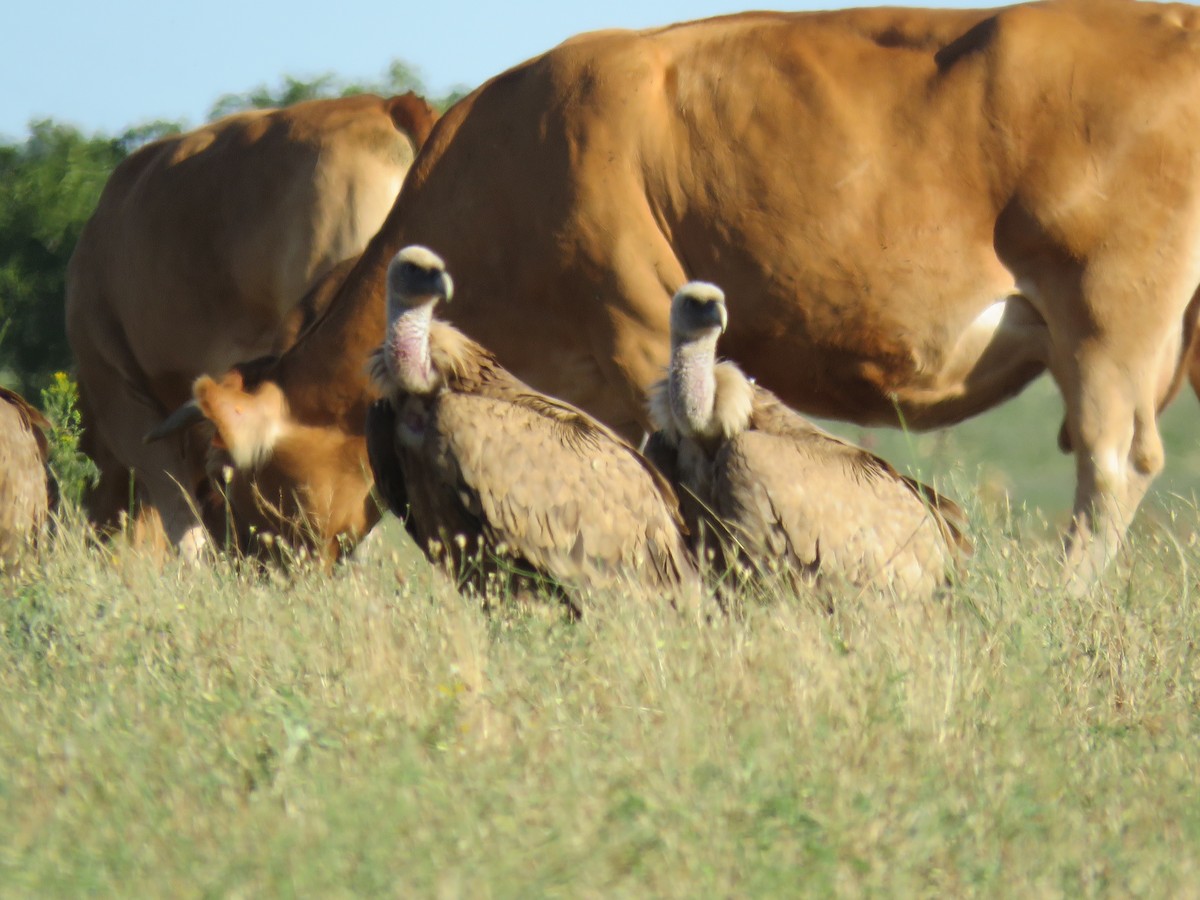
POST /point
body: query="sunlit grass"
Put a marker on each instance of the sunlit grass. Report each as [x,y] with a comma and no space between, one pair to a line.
[229,730]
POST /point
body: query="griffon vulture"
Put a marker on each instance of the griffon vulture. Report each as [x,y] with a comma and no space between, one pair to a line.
[24,486]
[494,477]
[775,491]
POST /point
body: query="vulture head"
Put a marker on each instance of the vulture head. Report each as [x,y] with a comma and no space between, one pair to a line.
[698,314]
[416,281]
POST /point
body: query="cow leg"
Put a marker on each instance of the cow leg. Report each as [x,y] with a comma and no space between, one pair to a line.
[1112,423]
[162,480]
[105,501]
[1178,361]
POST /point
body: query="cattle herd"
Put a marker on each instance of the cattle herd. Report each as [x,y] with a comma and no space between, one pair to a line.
[879,215]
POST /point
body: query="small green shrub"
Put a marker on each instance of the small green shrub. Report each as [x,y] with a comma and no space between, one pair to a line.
[73,471]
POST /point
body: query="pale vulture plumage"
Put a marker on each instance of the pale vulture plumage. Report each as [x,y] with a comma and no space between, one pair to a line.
[776,492]
[491,475]
[24,486]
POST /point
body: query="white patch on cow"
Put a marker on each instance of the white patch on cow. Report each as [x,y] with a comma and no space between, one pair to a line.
[990,318]
[1110,473]
[1109,462]
[987,323]
[249,424]
[392,191]
[256,441]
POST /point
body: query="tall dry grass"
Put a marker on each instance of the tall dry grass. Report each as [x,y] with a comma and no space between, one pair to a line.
[226,730]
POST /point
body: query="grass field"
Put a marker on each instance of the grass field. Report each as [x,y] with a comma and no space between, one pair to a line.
[231,732]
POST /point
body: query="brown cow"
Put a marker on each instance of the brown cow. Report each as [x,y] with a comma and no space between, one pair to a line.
[198,255]
[916,211]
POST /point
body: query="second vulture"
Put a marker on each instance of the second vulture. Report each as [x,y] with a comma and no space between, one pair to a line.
[774,492]
[492,476]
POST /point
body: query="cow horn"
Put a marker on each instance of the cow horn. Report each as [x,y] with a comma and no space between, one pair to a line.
[188,414]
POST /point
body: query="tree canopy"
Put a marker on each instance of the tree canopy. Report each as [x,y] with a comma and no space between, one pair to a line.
[398,78]
[48,188]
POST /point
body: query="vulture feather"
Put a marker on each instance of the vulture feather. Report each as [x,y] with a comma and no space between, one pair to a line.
[493,477]
[24,485]
[773,492]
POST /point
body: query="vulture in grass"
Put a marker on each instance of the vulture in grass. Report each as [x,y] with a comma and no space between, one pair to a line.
[769,491]
[24,485]
[496,479]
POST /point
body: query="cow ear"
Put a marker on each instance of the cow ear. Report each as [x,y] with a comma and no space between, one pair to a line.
[232,380]
[248,423]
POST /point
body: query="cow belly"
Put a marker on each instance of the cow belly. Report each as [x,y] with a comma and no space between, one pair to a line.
[923,377]
[997,355]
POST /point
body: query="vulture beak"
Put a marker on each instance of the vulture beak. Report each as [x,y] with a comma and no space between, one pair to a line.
[435,287]
[445,287]
[696,308]
[416,276]
[712,314]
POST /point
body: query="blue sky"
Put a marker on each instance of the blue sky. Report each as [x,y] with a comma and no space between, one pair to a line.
[105,66]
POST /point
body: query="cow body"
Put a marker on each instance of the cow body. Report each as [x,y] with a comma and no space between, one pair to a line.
[198,256]
[914,213]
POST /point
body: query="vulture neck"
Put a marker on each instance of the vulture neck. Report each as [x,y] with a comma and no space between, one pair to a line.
[408,354]
[693,385]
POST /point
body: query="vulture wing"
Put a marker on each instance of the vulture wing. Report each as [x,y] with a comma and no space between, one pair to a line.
[558,489]
[791,491]
[663,454]
[773,417]
[785,500]
[689,471]
[574,427]
[382,453]
[415,490]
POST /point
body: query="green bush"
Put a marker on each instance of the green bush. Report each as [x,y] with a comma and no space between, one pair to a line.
[73,471]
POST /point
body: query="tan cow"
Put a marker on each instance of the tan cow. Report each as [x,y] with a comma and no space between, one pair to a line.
[914,211]
[199,254]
